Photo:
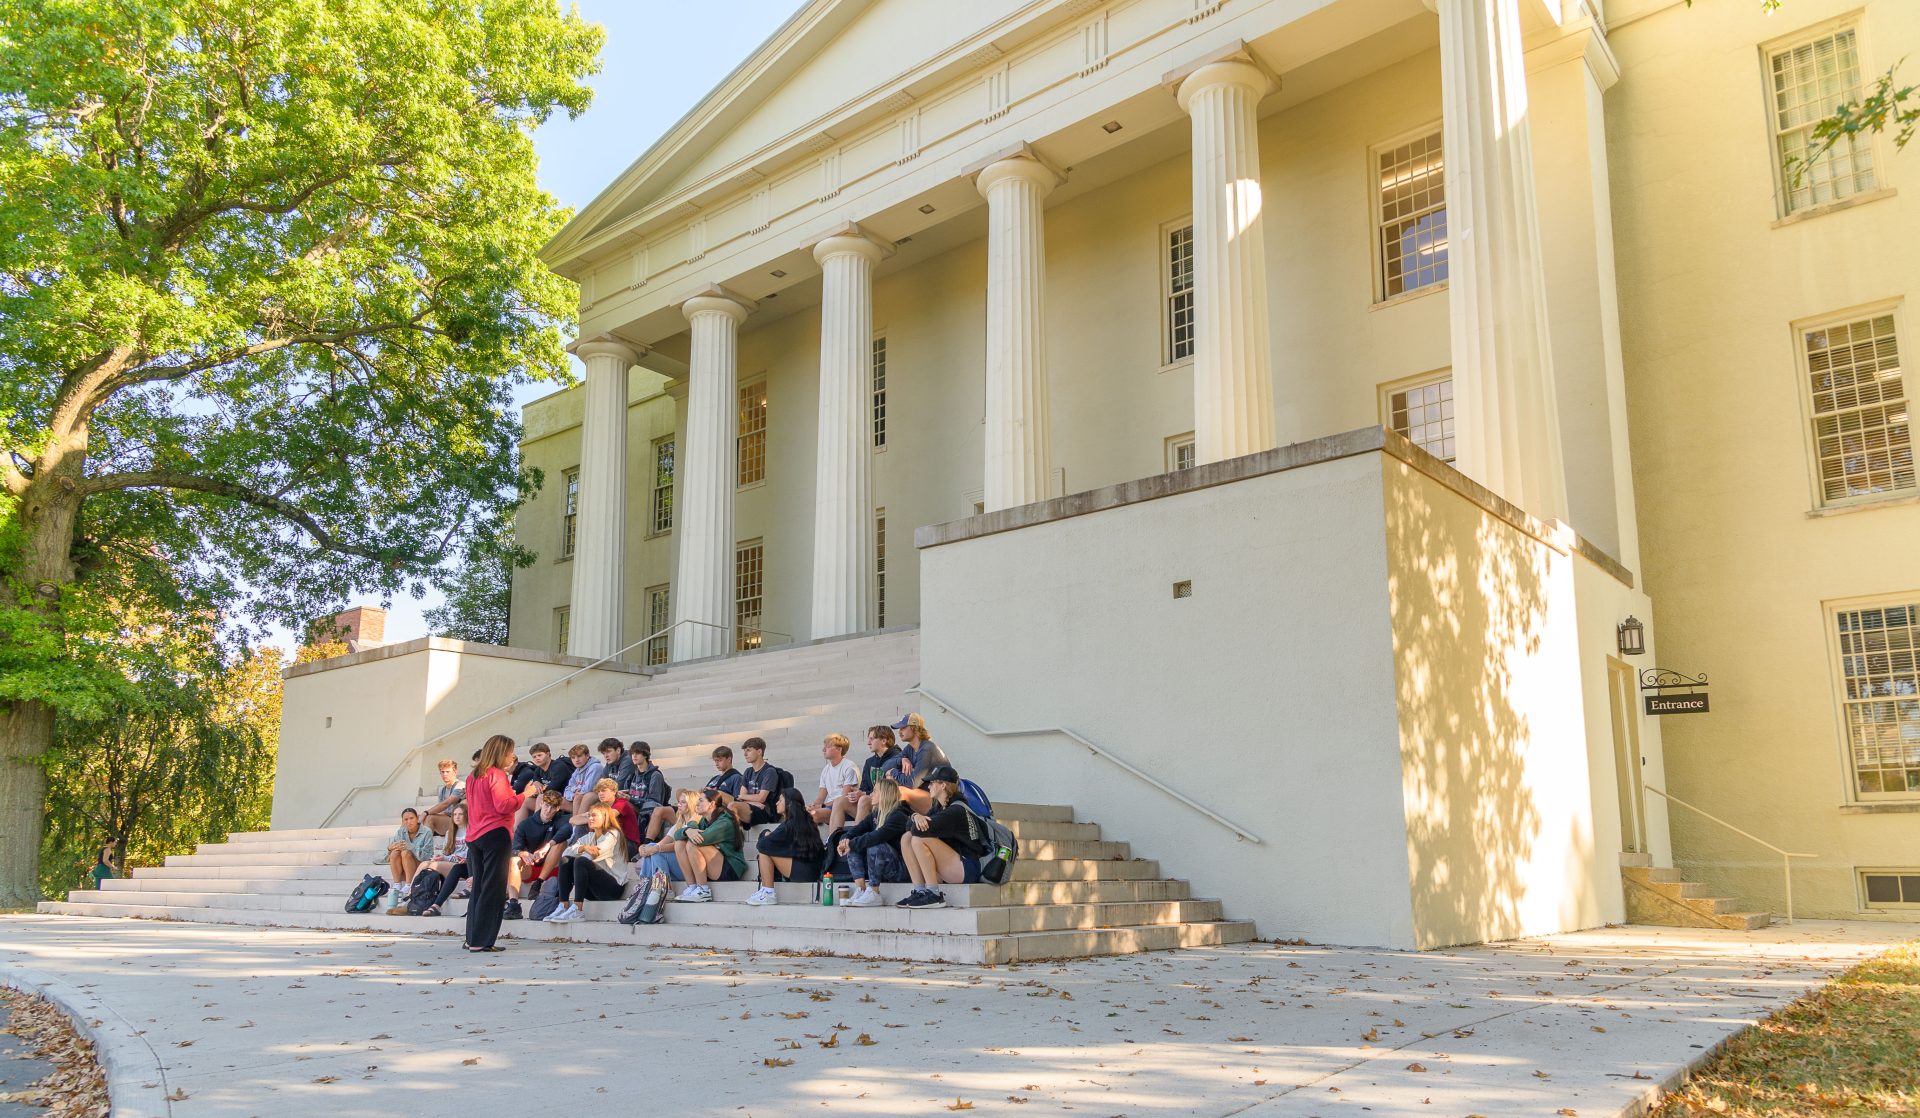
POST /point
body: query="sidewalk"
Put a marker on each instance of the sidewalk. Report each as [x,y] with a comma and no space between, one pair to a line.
[245,1021]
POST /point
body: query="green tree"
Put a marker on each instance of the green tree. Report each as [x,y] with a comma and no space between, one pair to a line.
[267,276]
[479,593]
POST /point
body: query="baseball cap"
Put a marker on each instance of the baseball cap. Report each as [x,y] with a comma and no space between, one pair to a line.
[904,720]
[944,772]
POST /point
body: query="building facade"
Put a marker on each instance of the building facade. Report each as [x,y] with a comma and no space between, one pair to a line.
[916,264]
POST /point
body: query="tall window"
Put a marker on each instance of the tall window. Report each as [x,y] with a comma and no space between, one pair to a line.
[749,565]
[659,616]
[562,629]
[879,568]
[879,393]
[1179,293]
[1809,79]
[1180,452]
[1880,696]
[662,514]
[1423,412]
[1413,215]
[753,433]
[1862,433]
[570,512]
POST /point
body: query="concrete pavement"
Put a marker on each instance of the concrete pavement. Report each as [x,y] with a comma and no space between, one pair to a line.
[245,1021]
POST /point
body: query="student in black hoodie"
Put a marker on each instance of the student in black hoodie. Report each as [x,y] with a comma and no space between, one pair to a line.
[872,846]
[944,847]
[645,787]
[792,851]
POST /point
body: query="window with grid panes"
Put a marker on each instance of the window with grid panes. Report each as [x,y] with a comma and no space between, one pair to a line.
[1424,414]
[1891,887]
[1180,305]
[880,568]
[570,512]
[1180,453]
[1808,81]
[662,510]
[1862,430]
[659,616]
[1413,216]
[1880,696]
[753,433]
[879,393]
[562,629]
[749,569]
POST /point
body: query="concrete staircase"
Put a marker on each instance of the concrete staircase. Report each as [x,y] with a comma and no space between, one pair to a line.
[1658,896]
[1074,893]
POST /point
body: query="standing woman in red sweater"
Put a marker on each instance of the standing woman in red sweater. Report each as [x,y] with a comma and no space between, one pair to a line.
[490,806]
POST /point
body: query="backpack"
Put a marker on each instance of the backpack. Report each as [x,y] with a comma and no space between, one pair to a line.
[548,901]
[648,905]
[976,798]
[426,886]
[1002,849]
[367,894]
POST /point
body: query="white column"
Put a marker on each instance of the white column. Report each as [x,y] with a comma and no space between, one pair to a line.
[843,495]
[1232,362]
[1019,458]
[708,472]
[1508,429]
[597,606]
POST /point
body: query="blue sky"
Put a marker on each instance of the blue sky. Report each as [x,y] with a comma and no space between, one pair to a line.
[660,58]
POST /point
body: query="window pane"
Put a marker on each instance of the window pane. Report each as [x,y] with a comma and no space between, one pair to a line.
[747,585]
[1881,696]
[1862,432]
[1424,414]
[1413,216]
[879,393]
[753,433]
[1180,306]
[1809,81]
[1882,888]
[663,456]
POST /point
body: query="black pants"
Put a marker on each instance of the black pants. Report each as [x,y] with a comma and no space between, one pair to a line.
[582,879]
[448,883]
[487,864]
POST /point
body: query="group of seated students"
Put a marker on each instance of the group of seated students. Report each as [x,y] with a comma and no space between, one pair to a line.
[587,827]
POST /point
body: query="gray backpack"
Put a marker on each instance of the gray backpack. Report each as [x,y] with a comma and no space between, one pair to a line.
[548,900]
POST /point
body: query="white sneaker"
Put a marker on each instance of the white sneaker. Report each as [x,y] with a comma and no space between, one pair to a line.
[693,893]
[557,916]
[706,893]
[573,913]
[865,898]
[402,890]
[763,896]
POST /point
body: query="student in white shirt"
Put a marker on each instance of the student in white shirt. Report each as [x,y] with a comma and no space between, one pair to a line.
[839,777]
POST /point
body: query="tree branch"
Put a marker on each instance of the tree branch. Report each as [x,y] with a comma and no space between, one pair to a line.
[286,510]
[147,374]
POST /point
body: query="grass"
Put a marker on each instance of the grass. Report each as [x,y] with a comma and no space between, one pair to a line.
[1850,1048]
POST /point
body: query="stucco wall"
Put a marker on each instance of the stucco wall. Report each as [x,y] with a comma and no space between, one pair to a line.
[348,721]
[1267,695]
[1710,292]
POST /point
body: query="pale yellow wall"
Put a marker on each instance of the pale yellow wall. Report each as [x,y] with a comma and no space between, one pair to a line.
[1710,287]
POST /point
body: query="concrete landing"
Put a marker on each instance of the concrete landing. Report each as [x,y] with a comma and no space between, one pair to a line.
[243,1021]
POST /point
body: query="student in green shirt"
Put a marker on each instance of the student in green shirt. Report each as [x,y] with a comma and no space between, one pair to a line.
[708,846]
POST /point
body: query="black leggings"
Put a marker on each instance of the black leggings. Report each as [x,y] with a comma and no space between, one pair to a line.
[450,882]
[585,877]
[487,856]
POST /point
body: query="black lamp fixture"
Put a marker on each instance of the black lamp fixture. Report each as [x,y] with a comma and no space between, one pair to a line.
[1633,636]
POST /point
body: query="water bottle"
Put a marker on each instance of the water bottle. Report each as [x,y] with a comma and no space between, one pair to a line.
[826,891]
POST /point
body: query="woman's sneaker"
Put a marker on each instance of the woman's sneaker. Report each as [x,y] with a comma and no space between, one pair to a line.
[865,898]
[557,916]
[763,895]
[695,893]
[926,898]
[909,900]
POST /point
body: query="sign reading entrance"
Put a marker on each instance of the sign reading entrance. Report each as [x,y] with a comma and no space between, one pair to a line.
[1676,704]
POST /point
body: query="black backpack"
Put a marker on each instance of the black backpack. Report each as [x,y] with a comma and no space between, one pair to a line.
[1002,848]
[426,886]
[367,894]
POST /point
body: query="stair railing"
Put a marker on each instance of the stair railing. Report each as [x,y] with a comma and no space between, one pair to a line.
[1094,748]
[507,707]
[1786,857]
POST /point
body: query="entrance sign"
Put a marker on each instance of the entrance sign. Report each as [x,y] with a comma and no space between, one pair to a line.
[1673,692]
[1677,704]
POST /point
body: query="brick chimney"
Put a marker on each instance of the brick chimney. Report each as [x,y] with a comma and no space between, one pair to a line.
[360,628]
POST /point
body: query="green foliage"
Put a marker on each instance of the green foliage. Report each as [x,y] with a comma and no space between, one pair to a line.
[1889,106]
[480,591]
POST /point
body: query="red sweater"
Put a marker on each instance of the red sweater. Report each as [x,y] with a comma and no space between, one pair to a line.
[629,822]
[490,803]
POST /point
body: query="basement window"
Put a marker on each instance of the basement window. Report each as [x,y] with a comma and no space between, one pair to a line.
[1890,888]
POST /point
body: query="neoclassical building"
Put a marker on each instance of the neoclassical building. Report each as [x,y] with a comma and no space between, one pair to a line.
[1313,400]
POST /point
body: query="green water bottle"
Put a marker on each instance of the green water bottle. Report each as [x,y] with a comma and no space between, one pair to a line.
[826,891]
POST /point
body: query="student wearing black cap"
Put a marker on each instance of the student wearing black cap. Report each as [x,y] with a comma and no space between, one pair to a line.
[945,845]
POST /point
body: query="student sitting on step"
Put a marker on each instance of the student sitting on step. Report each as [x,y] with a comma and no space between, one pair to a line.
[645,787]
[613,758]
[607,794]
[539,839]
[586,773]
[872,846]
[944,847]
[410,845]
[450,861]
[881,752]
[554,775]
[725,778]
[594,868]
[839,779]
[708,846]
[792,851]
[453,791]
[918,758]
[659,854]
[759,785]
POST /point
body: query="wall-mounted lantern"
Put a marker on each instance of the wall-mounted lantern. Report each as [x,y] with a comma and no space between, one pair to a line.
[1633,637]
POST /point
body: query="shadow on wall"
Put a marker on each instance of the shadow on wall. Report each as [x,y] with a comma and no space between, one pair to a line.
[1469,598]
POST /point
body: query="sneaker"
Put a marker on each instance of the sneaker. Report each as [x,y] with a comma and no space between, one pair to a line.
[693,893]
[763,896]
[402,890]
[513,912]
[556,916]
[570,913]
[706,894]
[865,898]
[911,900]
[927,898]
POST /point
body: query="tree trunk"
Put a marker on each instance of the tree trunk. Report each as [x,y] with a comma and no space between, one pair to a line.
[26,729]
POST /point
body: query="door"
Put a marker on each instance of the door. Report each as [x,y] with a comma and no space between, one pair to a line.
[1627,763]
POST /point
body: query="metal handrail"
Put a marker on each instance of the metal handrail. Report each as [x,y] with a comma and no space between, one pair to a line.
[1239,832]
[411,754]
[1786,856]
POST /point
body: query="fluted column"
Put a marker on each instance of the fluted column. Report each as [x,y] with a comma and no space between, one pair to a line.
[1019,459]
[1232,361]
[597,606]
[1507,424]
[843,500]
[708,473]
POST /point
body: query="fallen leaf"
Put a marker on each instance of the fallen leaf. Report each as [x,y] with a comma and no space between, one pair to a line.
[831,1042]
[326,1079]
[960,1105]
[1370,1034]
[1416,1067]
[1541,1075]
[1241,1039]
[1015,1098]
[776,1062]
[470,1061]
[865,1041]
[1567,1112]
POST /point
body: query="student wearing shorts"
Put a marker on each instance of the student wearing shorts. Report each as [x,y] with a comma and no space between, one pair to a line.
[753,806]
[792,851]
[708,847]
[839,779]
[944,847]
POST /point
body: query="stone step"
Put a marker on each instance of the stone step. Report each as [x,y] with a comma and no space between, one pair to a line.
[1744,921]
[360,850]
[918,946]
[1658,896]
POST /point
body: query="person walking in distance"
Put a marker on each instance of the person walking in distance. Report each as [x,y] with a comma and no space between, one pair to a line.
[490,808]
